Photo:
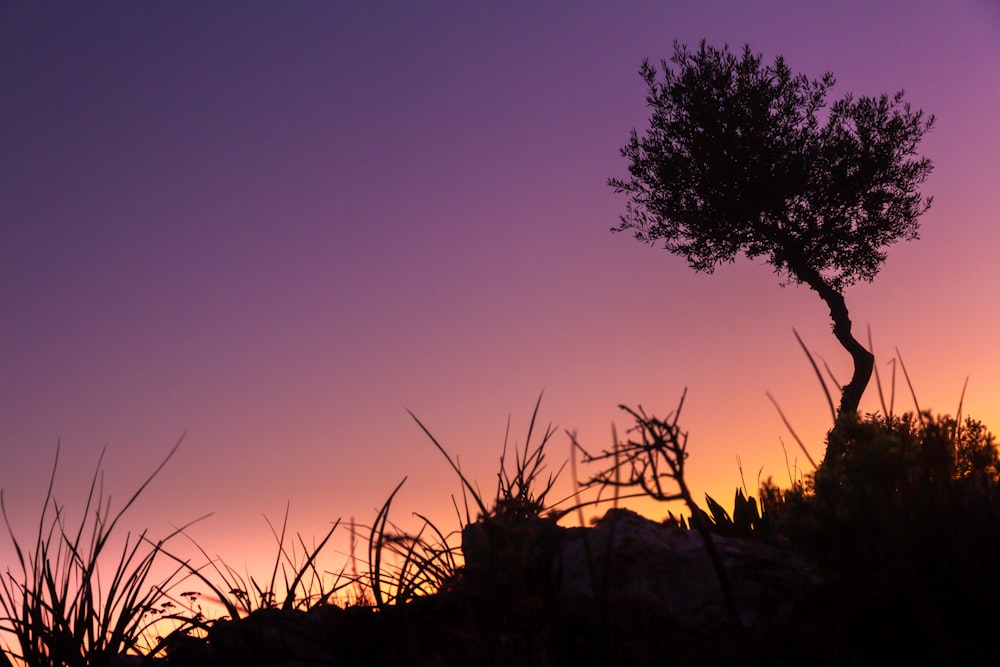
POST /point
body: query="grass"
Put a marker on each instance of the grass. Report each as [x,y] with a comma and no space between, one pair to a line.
[903,515]
[303,585]
[403,566]
[56,609]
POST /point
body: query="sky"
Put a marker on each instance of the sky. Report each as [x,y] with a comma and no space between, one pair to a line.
[275,230]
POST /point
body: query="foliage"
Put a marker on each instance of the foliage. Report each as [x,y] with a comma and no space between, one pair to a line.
[900,473]
[512,532]
[519,493]
[884,461]
[422,565]
[742,157]
[904,516]
[749,519]
[736,159]
[58,610]
[303,585]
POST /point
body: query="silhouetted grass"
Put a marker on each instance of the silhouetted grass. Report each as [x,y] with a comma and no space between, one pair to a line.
[57,610]
[303,585]
[902,515]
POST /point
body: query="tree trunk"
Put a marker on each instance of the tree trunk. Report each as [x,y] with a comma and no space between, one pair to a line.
[864,361]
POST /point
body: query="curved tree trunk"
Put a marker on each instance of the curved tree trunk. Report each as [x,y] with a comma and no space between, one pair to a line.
[864,361]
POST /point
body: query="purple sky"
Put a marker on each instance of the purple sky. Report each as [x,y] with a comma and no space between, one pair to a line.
[275,227]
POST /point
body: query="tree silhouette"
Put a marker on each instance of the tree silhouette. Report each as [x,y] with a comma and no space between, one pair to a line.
[741,157]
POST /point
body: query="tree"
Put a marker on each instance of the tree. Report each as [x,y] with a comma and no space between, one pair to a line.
[741,157]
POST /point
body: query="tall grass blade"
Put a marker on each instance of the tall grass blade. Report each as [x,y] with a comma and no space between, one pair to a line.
[617,448]
[376,541]
[909,384]
[878,379]
[465,482]
[792,430]
[892,395]
[958,413]
[819,376]
[576,479]
[829,372]
[309,565]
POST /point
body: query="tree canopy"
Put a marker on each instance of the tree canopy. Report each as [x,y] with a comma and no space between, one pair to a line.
[742,157]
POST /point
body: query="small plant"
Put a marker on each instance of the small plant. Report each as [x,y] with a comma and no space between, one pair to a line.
[517,494]
[420,566]
[749,520]
[509,547]
[303,585]
[651,462]
[58,610]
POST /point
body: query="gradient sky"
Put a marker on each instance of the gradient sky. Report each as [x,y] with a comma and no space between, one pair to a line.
[276,227]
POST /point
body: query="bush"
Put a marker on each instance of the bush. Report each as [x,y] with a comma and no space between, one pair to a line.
[904,515]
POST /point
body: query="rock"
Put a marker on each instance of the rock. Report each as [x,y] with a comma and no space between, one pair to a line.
[629,561]
[628,590]
[513,556]
[264,637]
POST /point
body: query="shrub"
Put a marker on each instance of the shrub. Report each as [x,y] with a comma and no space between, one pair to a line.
[904,515]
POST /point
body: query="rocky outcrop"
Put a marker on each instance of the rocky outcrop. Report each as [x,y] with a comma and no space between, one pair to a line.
[649,583]
[627,560]
[627,590]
